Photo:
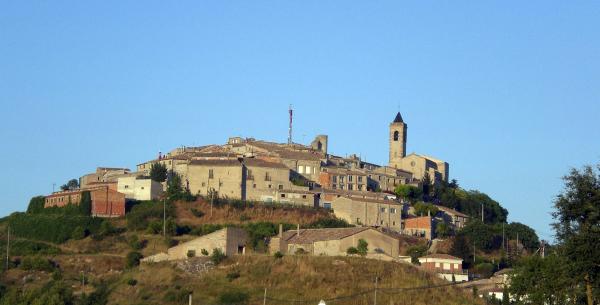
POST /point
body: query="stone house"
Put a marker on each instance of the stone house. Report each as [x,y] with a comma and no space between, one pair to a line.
[63,198]
[333,241]
[107,203]
[369,212]
[102,174]
[455,219]
[445,266]
[230,240]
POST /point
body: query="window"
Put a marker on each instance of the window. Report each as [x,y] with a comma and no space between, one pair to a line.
[269,186]
[126,186]
[308,169]
[359,178]
[250,176]
[142,187]
[350,186]
[382,222]
[280,186]
[393,210]
[382,210]
[393,223]
[327,205]
[349,178]
[341,186]
[211,174]
[303,196]
[301,169]
[341,179]
[334,186]
[254,186]
[334,179]
[267,176]
[282,195]
[455,266]
[396,135]
[446,266]
[437,265]
[203,184]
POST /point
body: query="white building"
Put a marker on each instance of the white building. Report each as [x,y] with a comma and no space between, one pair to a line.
[446,266]
[139,189]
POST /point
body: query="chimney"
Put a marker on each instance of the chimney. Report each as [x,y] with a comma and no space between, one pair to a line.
[298,230]
[280,230]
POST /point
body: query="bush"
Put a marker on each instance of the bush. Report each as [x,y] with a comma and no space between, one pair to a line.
[191,253]
[37,263]
[197,213]
[135,243]
[205,229]
[300,251]
[233,275]
[169,242]
[415,252]
[233,297]
[133,259]
[78,233]
[329,223]
[363,247]
[278,255]
[146,212]
[131,282]
[204,252]
[56,228]
[484,269]
[217,256]
[352,251]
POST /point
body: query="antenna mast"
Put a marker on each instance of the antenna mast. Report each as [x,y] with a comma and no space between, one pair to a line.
[290,128]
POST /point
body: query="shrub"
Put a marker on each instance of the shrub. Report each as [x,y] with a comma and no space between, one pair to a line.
[191,253]
[244,217]
[197,213]
[233,297]
[37,263]
[217,256]
[278,254]
[169,242]
[131,282]
[133,259]
[415,252]
[329,223]
[56,228]
[352,251]
[135,243]
[146,212]
[205,229]
[363,247]
[204,252]
[484,269]
[233,275]
[78,233]
[300,251]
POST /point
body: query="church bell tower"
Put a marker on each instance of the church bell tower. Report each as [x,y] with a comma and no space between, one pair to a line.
[397,140]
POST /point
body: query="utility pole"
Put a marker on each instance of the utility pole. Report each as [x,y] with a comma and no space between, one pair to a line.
[502,236]
[190,300]
[376,282]
[482,212]
[7,247]
[53,186]
[212,196]
[164,217]
[265,297]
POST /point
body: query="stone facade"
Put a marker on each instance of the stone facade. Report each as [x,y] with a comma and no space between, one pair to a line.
[369,212]
[102,174]
[333,242]
[419,226]
[232,241]
[61,199]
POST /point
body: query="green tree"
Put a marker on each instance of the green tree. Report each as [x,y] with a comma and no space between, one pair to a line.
[217,256]
[408,192]
[527,235]
[85,204]
[442,229]
[424,209]
[158,172]
[577,226]
[36,205]
[70,185]
[537,280]
[461,247]
[363,247]
[133,259]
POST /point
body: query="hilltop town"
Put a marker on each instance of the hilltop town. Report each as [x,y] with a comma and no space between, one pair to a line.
[251,197]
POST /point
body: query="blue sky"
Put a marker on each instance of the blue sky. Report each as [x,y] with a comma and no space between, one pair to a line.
[507,93]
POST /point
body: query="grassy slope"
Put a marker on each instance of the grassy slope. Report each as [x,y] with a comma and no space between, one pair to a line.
[293,277]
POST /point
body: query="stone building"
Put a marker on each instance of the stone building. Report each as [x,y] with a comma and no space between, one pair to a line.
[369,212]
[102,174]
[334,241]
[455,219]
[418,165]
[230,240]
[63,198]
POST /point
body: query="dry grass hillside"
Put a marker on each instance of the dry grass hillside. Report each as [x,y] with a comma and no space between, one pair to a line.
[234,215]
[286,279]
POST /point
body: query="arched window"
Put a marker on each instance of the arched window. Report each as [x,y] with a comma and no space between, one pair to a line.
[319,146]
[396,135]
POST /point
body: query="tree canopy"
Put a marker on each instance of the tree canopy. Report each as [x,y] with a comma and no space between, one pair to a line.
[158,172]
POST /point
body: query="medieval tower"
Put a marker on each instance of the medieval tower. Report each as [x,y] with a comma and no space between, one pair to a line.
[397,140]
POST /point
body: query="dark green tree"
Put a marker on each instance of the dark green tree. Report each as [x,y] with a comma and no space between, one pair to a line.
[133,259]
[158,172]
[408,192]
[363,247]
[461,247]
[70,185]
[36,205]
[577,226]
[537,280]
[424,209]
[85,204]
